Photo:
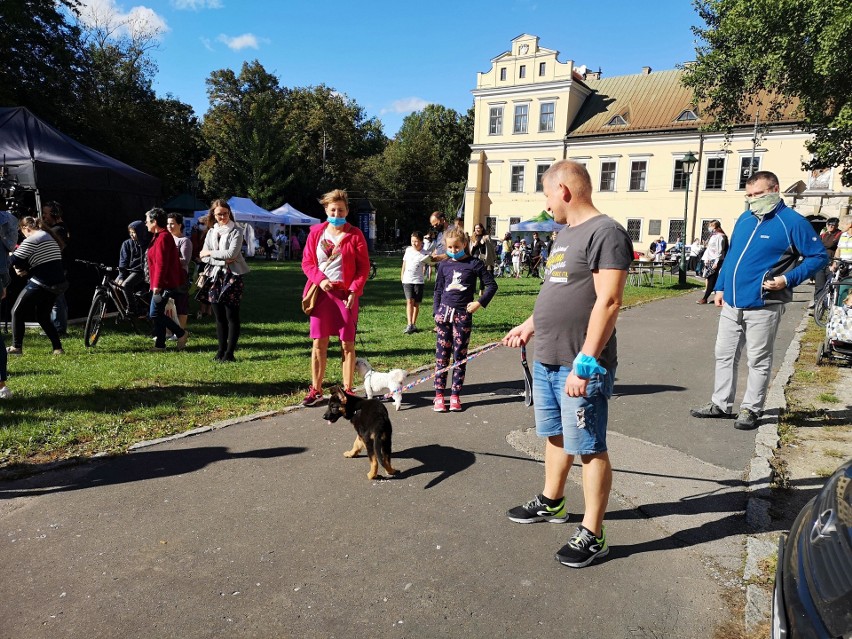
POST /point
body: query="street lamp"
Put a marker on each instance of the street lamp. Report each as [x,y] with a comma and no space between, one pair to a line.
[688,163]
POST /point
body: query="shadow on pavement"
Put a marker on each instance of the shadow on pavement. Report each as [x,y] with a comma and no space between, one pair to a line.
[435,458]
[139,466]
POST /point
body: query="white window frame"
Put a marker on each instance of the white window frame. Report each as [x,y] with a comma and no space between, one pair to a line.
[633,162]
[711,157]
[614,175]
[522,71]
[542,68]
[675,160]
[552,119]
[503,74]
[526,118]
[747,156]
[498,120]
[539,187]
[672,221]
[517,171]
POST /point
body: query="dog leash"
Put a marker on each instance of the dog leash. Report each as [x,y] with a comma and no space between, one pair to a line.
[426,378]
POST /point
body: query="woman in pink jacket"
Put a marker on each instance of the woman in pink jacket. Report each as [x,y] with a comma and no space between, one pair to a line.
[334,258]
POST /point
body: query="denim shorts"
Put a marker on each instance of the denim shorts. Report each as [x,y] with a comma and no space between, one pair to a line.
[580,420]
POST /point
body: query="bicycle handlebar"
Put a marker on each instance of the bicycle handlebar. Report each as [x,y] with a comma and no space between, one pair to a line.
[98,265]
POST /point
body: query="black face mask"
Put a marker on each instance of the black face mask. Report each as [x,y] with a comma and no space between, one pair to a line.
[439,228]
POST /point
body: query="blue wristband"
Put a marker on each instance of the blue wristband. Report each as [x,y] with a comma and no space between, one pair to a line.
[585,366]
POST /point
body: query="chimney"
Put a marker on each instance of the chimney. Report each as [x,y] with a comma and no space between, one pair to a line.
[646,70]
[593,75]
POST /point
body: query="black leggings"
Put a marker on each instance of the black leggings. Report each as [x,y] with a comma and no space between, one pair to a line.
[711,282]
[227,329]
[34,297]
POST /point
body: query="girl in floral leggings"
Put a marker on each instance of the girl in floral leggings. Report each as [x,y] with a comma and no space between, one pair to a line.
[456,282]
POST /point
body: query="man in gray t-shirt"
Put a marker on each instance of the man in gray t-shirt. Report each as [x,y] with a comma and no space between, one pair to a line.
[575,357]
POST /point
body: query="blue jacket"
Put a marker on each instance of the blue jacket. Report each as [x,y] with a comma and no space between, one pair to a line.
[8,238]
[130,259]
[782,243]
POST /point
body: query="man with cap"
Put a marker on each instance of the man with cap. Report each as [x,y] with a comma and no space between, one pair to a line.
[830,237]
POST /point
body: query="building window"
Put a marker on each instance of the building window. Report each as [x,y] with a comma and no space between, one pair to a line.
[539,174]
[607,176]
[522,71]
[654,227]
[503,74]
[638,173]
[748,167]
[686,116]
[517,179]
[542,66]
[491,226]
[521,115]
[546,122]
[616,120]
[715,174]
[513,221]
[495,125]
[705,232]
[634,229]
[675,231]
[680,177]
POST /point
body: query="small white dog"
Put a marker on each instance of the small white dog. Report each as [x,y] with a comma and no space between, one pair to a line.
[375,382]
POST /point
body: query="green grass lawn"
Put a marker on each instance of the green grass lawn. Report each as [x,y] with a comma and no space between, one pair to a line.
[111,396]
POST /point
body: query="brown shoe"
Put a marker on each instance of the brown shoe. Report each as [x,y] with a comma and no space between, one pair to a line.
[701,301]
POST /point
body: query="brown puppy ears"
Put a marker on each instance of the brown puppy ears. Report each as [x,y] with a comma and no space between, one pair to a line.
[340,394]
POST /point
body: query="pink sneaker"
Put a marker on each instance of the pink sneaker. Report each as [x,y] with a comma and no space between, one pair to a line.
[455,403]
[313,397]
[438,405]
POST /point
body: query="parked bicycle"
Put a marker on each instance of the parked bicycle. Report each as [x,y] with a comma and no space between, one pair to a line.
[373,269]
[828,298]
[106,293]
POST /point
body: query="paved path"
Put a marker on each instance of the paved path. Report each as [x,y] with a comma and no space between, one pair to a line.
[263,529]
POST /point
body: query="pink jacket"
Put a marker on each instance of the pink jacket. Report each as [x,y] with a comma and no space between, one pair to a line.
[356,259]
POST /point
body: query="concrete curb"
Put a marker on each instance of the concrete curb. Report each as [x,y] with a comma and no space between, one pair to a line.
[760,474]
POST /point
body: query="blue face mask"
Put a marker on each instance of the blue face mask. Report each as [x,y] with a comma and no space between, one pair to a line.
[337,221]
[455,256]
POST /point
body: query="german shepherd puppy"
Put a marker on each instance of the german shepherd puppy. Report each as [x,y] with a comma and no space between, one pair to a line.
[372,425]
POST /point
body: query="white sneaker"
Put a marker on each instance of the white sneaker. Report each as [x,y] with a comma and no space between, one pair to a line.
[5,393]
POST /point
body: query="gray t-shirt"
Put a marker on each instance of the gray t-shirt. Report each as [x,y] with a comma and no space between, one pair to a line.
[567,296]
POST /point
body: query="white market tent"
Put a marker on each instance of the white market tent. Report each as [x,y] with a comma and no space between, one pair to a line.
[292,217]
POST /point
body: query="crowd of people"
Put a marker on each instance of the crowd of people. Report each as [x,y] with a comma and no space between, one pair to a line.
[573,320]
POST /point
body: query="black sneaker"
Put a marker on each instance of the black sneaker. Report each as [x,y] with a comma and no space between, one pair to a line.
[535,510]
[583,548]
[710,410]
[746,420]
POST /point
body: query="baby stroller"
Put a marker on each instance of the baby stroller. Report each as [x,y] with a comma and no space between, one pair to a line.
[837,345]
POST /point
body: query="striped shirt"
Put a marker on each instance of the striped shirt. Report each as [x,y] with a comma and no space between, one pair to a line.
[39,254]
[844,247]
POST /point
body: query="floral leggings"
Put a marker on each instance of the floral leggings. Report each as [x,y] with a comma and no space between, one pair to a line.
[454,327]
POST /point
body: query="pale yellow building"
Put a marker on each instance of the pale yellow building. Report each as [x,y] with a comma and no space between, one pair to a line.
[631,132]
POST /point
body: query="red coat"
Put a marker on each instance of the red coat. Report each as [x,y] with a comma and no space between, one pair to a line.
[356,259]
[164,267]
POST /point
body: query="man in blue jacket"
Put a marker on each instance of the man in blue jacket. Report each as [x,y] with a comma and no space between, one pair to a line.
[773,249]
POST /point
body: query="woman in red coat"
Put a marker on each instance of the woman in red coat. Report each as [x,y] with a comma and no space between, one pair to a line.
[334,258]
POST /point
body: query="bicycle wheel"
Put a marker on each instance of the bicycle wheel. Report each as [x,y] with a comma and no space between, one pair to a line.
[94,321]
[822,308]
[372,270]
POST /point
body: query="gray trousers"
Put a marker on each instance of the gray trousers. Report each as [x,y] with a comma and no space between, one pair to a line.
[756,329]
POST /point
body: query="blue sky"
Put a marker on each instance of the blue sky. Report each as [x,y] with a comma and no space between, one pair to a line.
[393,57]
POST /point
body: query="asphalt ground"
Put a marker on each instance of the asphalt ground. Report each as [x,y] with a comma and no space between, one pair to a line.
[264,529]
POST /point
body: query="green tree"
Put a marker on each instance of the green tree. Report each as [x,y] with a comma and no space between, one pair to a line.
[43,61]
[776,53]
[424,168]
[250,154]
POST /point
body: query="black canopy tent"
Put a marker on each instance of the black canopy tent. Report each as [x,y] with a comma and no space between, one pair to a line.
[100,195]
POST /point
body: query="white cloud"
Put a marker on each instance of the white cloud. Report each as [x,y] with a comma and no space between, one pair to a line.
[197,5]
[406,105]
[244,41]
[109,15]
[207,44]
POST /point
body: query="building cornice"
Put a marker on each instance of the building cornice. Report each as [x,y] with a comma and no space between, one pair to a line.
[561,86]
